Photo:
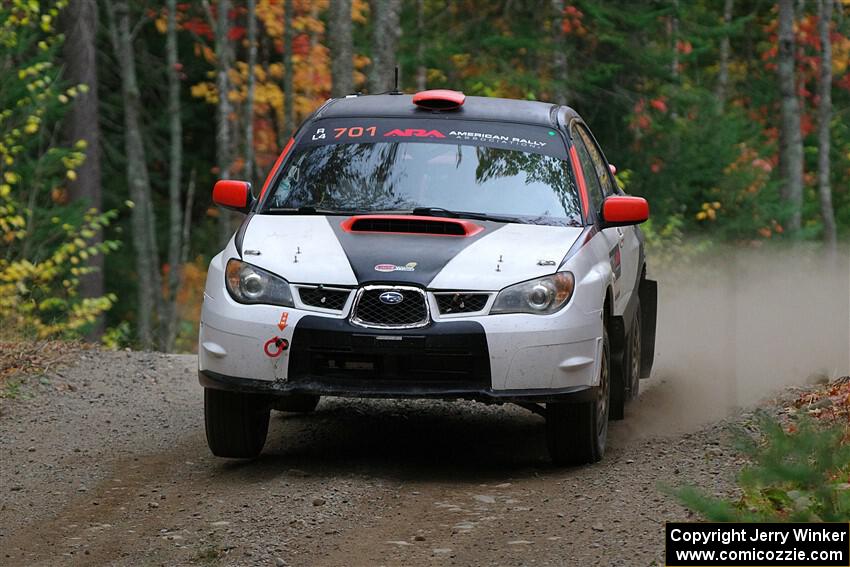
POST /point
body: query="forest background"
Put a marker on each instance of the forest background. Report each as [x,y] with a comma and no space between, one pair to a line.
[729,116]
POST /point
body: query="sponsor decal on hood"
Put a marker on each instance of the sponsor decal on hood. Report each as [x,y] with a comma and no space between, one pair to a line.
[400,258]
[409,267]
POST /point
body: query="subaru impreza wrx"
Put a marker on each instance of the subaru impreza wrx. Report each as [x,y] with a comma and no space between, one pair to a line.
[431,246]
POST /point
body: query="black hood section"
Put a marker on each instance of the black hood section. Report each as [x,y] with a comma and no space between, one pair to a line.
[420,256]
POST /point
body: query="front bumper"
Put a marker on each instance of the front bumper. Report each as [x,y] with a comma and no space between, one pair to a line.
[575,394]
[491,357]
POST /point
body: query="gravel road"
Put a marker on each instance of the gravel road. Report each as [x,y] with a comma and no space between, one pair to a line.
[106,463]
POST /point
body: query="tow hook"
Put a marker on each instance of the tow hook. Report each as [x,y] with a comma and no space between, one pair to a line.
[275,346]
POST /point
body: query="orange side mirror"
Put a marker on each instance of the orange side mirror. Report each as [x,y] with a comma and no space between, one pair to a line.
[235,195]
[620,210]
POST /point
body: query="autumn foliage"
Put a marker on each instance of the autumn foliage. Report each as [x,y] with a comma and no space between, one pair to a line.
[690,126]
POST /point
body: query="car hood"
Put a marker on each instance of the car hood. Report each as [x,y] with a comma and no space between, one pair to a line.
[320,250]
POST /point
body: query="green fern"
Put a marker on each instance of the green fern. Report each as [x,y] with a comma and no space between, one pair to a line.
[797,475]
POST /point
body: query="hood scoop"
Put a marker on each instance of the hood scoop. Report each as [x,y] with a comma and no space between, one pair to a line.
[411,224]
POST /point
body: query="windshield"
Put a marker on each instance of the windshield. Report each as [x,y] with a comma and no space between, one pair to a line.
[476,175]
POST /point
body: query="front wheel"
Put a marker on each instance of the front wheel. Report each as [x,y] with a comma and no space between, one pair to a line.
[576,433]
[634,356]
[236,423]
[626,380]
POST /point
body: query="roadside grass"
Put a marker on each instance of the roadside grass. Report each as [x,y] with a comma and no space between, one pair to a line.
[209,555]
[799,464]
[21,361]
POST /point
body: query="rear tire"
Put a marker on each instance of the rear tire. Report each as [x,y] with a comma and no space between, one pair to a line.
[295,403]
[576,433]
[236,423]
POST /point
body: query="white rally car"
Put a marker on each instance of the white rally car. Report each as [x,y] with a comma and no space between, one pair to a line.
[430,246]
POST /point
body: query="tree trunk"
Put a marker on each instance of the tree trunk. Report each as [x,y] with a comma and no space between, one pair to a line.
[79,23]
[222,135]
[187,220]
[175,166]
[791,141]
[674,41]
[288,88]
[824,119]
[559,54]
[421,69]
[249,99]
[386,31]
[142,222]
[723,74]
[342,48]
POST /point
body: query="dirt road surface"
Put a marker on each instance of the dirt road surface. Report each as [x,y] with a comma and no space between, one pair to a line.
[107,464]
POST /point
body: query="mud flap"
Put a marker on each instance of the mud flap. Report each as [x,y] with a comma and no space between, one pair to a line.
[648,292]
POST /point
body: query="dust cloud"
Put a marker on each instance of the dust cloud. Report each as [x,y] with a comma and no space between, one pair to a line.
[739,327]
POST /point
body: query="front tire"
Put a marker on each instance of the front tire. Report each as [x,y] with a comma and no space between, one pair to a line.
[633,356]
[236,423]
[576,433]
[626,383]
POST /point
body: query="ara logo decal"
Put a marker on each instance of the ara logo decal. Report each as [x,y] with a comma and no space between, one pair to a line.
[391,297]
[409,267]
[415,133]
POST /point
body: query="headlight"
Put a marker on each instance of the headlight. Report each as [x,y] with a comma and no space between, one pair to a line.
[541,296]
[250,284]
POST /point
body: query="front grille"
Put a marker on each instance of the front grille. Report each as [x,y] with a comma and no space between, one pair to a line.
[371,311]
[333,299]
[450,303]
[328,353]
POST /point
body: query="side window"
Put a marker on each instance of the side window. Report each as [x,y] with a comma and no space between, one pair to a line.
[594,189]
[598,161]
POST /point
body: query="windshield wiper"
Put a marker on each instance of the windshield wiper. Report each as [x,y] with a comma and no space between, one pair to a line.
[308,211]
[441,212]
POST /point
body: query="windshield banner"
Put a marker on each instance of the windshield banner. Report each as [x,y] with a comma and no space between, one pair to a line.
[519,137]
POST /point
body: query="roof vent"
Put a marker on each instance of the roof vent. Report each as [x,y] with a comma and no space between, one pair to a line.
[410,224]
[439,99]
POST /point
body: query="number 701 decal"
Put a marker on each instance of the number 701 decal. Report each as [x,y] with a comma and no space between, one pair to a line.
[354,132]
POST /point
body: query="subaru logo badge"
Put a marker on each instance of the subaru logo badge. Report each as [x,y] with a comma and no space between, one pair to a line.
[391,297]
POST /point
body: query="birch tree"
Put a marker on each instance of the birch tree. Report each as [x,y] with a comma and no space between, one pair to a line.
[175,166]
[220,24]
[288,89]
[386,31]
[421,70]
[342,48]
[249,97]
[824,119]
[791,141]
[138,179]
[723,73]
[79,23]
[559,55]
